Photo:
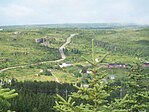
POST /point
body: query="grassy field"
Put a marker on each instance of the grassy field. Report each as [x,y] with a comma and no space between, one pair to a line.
[124,45]
[18,47]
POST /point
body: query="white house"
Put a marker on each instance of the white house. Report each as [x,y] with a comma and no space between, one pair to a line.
[41,71]
[85,85]
[112,77]
[65,65]
[88,72]
[16,33]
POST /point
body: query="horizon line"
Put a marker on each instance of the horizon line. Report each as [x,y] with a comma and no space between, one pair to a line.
[36,24]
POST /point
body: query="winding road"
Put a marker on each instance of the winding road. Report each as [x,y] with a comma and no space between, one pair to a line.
[61,50]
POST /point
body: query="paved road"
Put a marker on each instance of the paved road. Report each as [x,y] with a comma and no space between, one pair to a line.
[61,50]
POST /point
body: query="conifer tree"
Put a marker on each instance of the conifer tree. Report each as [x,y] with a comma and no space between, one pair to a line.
[93,98]
[5,94]
[137,97]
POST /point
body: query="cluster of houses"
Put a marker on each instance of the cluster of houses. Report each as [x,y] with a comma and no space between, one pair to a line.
[115,65]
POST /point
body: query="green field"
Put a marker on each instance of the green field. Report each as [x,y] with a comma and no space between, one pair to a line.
[18,47]
[36,75]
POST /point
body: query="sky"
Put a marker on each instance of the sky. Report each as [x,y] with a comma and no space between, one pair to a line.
[22,12]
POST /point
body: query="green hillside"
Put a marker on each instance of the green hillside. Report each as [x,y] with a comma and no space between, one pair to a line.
[42,62]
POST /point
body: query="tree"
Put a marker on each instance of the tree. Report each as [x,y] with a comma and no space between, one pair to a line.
[93,98]
[5,94]
[137,97]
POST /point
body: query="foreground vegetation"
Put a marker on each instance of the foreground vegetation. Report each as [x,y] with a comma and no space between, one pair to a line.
[97,95]
[100,93]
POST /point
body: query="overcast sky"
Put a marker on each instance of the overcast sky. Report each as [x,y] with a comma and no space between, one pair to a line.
[73,11]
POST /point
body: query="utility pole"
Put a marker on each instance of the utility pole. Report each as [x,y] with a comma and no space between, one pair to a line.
[121,93]
[66,94]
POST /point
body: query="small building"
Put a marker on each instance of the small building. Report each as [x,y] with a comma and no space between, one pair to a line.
[65,65]
[1,82]
[9,80]
[16,33]
[112,77]
[37,75]
[145,65]
[1,29]
[41,71]
[40,40]
[88,72]
[84,85]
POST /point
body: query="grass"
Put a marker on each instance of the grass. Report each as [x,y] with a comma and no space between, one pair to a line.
[64,76]
[22,74]
[21,49]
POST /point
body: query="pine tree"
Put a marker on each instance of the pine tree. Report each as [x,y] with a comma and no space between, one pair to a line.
[5,94]
[137,97]
[138,90]
[93,98]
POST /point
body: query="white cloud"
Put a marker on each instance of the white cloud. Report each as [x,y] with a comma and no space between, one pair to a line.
[16,11]
[70,11]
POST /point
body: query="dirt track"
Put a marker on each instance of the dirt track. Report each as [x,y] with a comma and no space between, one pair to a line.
[61,50]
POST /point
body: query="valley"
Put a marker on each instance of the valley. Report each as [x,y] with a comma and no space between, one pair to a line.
[19,52]
[42,61]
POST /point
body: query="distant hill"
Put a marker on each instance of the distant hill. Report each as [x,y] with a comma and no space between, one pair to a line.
[80,25]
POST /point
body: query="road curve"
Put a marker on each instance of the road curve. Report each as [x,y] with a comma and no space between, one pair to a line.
[61,50]
[63,46]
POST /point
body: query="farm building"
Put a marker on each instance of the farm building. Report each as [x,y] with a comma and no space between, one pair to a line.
[65,65]
[117,66]
[145,65]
